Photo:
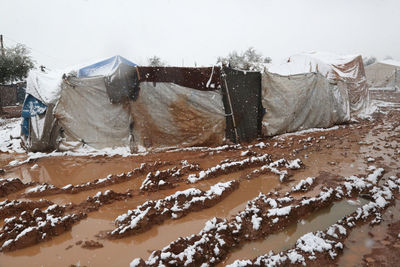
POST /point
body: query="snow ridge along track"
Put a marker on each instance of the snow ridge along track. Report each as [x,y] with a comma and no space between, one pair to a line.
[29,228]
[49,189]
[172,207]
[263,215]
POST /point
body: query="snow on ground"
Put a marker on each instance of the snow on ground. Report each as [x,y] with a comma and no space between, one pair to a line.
[9,135]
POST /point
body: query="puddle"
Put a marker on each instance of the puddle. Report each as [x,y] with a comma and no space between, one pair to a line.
[287,238]
[120,252]
[360,242]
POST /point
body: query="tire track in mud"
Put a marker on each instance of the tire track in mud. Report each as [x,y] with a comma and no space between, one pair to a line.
[49,189]
[12,185]
[183,202]
[323,247]
[174,206]
[263,215]
[32,227]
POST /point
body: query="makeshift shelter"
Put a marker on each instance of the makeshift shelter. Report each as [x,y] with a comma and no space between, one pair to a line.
[146,107]
[347,71]
[301,101]
[384,74]
[177,107]
[41,129]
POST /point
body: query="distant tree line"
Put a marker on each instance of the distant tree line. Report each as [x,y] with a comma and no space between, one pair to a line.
[250,60]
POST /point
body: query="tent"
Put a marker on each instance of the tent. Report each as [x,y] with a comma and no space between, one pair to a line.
[384,74]
[41,128]
[145,107]
[347,71]
[301,101]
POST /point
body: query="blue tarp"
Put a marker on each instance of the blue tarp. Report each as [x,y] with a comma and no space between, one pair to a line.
[104,67]
[32,107]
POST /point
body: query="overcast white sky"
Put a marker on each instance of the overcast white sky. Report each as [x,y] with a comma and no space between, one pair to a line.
[70,32]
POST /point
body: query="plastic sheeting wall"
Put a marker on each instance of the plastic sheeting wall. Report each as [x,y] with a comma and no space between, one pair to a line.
[382,75]
[86,114]
[170,115]
[43,132]
[352,74]
[300,102]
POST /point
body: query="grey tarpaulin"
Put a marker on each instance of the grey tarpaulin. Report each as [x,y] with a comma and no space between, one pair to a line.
[169,115]
[302,101]
[123,84]
[43,131]
[86,114]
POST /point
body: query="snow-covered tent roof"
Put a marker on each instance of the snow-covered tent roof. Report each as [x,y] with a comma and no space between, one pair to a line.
[104,67]
[46,86]
[390,62]
[347,69]
[322,62]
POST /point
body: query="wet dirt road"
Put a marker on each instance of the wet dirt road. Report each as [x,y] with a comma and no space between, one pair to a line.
[344,150]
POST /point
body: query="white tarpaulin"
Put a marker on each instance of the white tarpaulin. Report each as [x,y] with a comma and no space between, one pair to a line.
[348,69]
[169,115]
[383,74]
[86,114]
[45,86]
[301,101]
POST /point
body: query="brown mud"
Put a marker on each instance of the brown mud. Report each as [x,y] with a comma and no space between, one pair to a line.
[341,151]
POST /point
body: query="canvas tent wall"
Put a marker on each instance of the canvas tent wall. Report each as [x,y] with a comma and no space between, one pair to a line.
[44,88]
[347,69]
[384,74]
[301,101]
[149,107]
[39,129]
[87,116]
[192,106]
[178,107]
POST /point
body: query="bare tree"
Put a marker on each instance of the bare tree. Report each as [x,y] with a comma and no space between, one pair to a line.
[247,60]
[155,61]
[369,60]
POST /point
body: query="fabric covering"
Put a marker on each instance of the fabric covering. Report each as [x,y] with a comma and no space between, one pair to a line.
[383,74]
[348,69]
[31,107]
[87,115]
[301,101]
[205,79]
[45,86]
[122,84]
[104,67]
[169,115]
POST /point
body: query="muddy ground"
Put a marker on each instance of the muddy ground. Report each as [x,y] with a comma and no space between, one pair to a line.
[62,220]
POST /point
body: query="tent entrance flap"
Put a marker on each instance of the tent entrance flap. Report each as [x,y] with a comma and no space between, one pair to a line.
[244,92]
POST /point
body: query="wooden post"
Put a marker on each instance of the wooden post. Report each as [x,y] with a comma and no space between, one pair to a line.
[2,45]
